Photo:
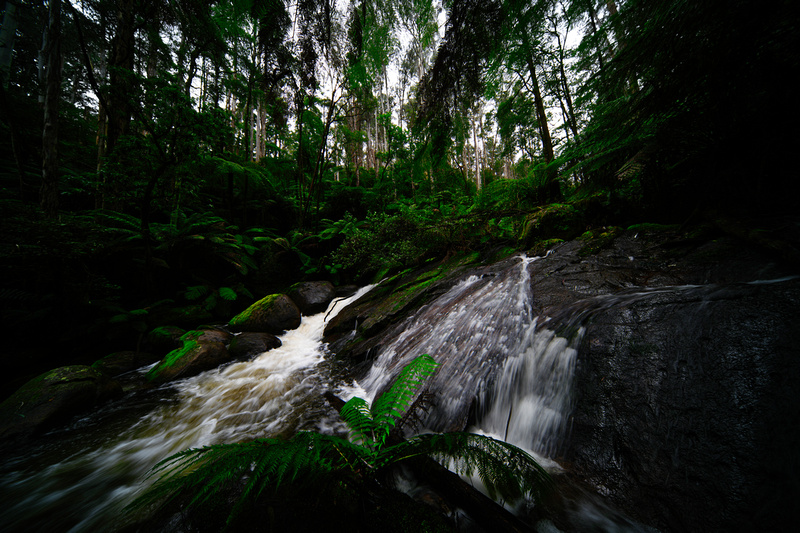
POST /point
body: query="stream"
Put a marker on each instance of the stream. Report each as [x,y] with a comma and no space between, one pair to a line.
[81,478]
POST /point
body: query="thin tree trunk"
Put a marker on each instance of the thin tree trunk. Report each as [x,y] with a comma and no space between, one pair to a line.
[552,189]
[49,191]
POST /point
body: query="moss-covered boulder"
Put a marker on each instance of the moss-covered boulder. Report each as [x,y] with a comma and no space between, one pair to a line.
[351,331]
[198,353]
[51,399]
[120,362]
[164,339]
[312,297]
[207,334]
[250,344]
[274,314]
[562,221]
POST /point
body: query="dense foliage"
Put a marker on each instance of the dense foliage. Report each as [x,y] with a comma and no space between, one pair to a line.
[168,161]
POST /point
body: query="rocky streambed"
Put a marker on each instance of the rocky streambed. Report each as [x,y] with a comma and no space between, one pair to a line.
[678,401]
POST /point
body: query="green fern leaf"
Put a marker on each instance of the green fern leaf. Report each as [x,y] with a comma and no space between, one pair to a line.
[226,293]
[358,417]
[393,404]
[196,292]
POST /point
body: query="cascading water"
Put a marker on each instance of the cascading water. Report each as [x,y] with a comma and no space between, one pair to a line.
[484,335]
[85,491]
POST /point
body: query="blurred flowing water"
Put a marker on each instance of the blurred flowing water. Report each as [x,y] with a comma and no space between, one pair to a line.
[486,339]
[82,479]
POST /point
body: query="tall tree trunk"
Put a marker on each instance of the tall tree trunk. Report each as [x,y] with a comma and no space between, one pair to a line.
[551,186]
[121,65]
[49,192]
[7,33]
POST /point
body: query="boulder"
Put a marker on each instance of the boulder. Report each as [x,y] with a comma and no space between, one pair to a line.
[312,297]
[207,334]
[274,314]
[121,362]
[52,399]
[164,339]
[249,344]
[687,406]
[195,356]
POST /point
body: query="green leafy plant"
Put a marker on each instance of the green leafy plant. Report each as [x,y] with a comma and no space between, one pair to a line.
[310,461]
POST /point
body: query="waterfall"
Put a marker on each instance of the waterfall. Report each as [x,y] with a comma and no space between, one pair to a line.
[273,394]
[484,335]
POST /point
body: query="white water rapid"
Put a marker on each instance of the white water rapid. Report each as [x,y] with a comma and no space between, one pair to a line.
[87,488]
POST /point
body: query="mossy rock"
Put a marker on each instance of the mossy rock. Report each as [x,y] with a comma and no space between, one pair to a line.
[597,239]
[393,299]
[189,360]
[164,339]
[121,362]
[250,344]
[541,248]
[562,221]
[207,334]
[312,297]
[274,314]
[52,398]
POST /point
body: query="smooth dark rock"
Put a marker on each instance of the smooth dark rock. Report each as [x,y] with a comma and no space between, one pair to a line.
[688,403]
[51,399]
[312,297]
[249,344]
[274,314]
[207,334]
[345,291]
[120,362]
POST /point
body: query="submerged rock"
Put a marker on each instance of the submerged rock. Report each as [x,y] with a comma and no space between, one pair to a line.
[312,297]
[52,399]
[274,314]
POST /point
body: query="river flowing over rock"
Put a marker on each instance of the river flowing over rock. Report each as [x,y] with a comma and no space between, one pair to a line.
[662,376]
[657,379]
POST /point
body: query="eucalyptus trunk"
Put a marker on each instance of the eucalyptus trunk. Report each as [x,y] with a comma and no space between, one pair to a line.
[52,51]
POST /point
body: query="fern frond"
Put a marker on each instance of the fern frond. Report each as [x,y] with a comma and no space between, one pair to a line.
[505,470]
[249,469]
[393,404]
[358,417]
[228,294]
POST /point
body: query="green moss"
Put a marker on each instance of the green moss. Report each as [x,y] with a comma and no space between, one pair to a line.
[542,247]
[263,303]
[191,335]
[173,357]
[597,239]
